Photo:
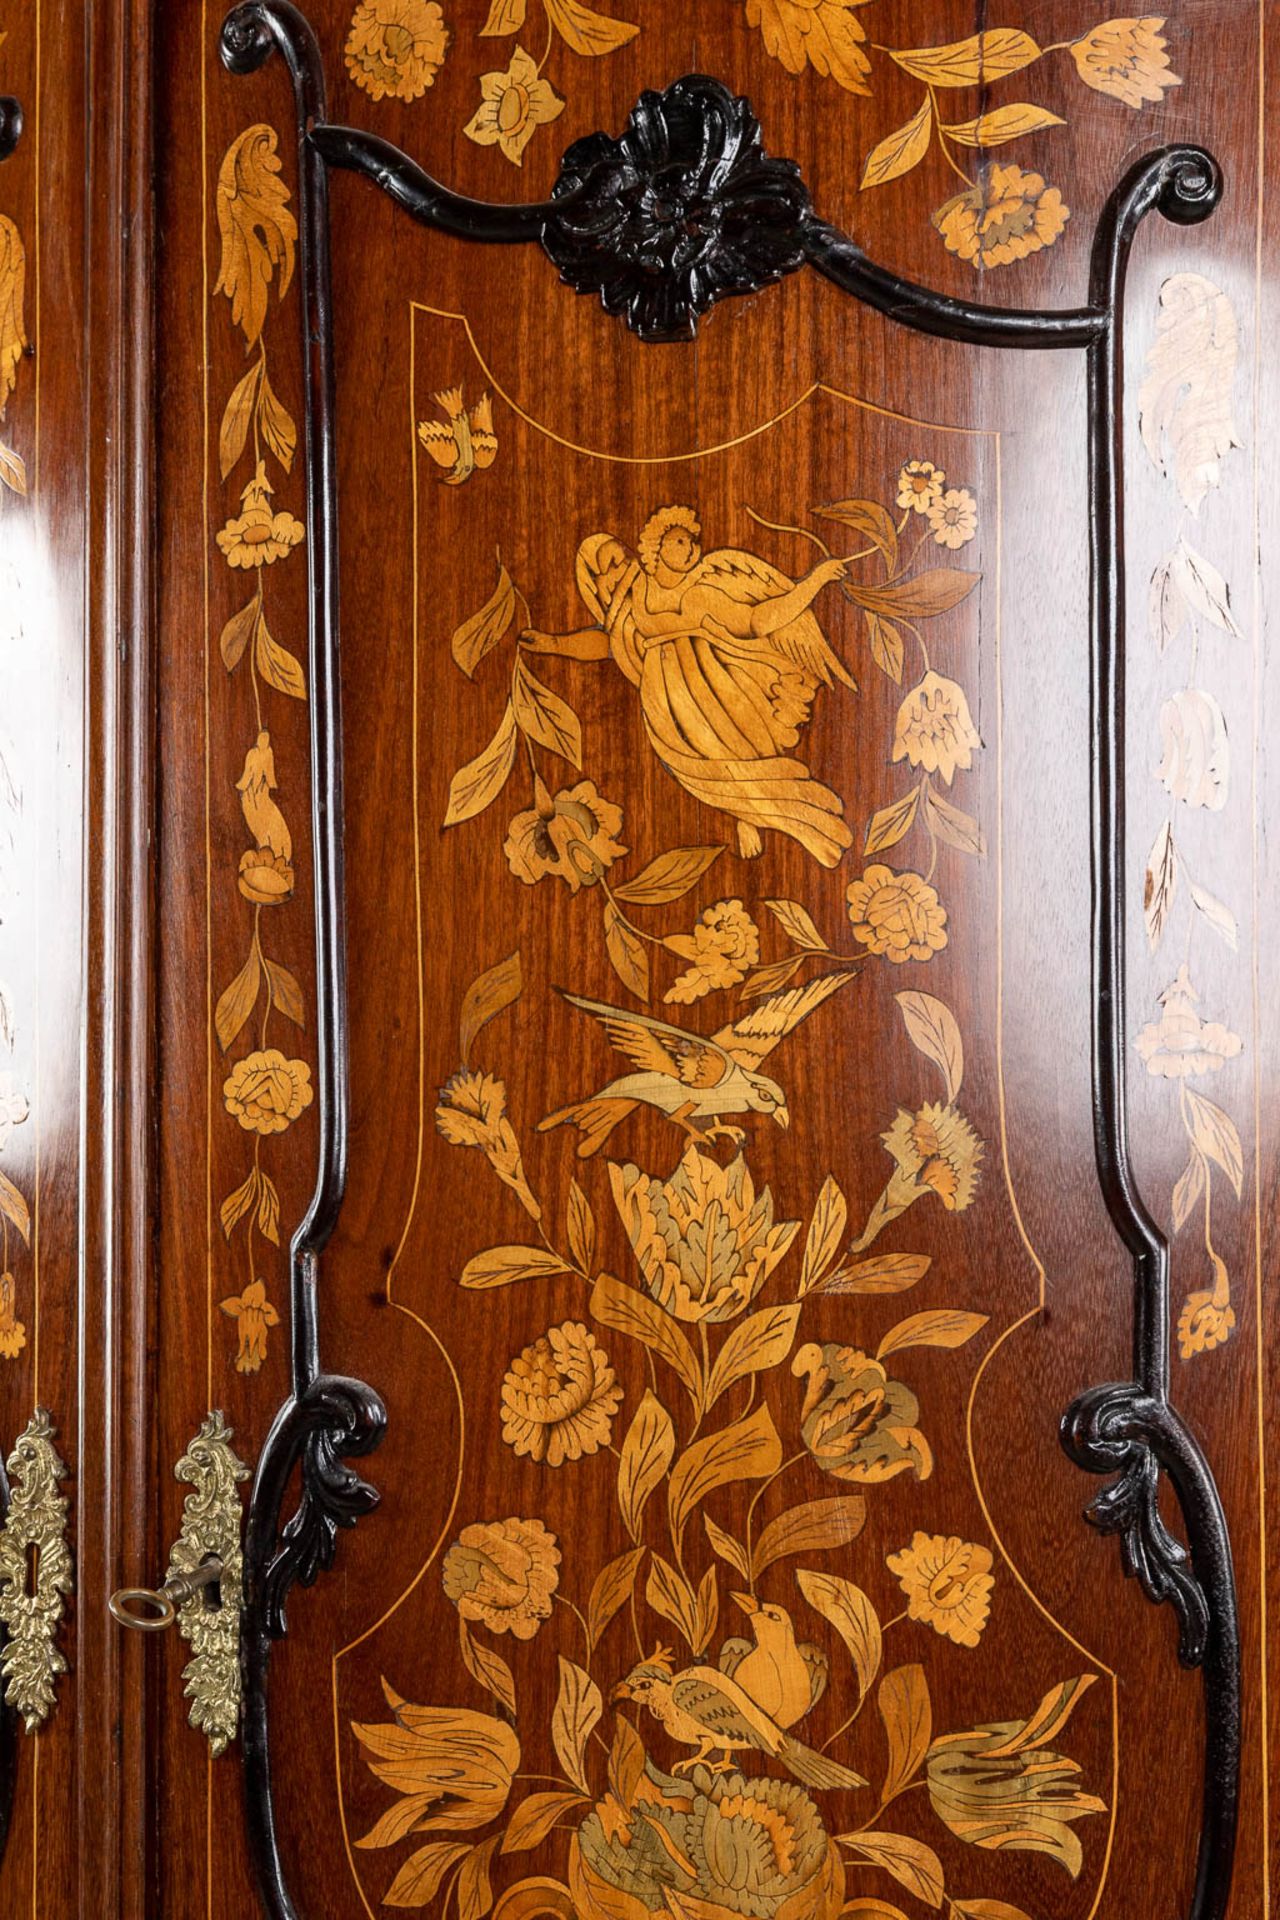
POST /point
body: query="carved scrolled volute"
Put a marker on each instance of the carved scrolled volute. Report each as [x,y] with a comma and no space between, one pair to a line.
[684,209]
[1115,1430]
[333,1420]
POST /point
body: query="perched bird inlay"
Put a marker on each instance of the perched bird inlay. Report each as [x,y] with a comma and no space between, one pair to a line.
[703,1707]
[784,1676]
[464,441]
[692,1078]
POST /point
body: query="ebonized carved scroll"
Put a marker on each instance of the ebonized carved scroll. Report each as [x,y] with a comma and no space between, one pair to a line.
[683,209]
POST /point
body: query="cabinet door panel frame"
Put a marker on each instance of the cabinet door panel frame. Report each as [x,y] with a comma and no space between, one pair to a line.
[1129,1429]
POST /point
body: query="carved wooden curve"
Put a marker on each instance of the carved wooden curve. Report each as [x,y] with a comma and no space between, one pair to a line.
[684,209]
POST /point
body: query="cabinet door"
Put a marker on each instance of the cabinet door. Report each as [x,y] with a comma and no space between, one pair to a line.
[721,999]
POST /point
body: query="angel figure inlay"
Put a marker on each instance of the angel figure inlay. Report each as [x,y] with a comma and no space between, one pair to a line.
[727,655]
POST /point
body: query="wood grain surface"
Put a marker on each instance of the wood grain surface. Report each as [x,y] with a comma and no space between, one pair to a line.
[691,823]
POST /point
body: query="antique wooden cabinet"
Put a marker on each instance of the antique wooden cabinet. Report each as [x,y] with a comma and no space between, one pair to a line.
[638,959]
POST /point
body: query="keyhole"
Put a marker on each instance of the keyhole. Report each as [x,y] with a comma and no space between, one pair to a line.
[33,1569]
[213,1592]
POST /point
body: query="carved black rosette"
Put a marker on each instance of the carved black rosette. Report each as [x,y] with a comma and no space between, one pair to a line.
[684,209]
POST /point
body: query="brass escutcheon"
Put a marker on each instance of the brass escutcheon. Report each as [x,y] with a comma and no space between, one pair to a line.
[203,1590]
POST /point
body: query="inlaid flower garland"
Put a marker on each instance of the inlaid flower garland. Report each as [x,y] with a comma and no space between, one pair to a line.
[14,1108]
[15,1214]
[13,337]
[396,48]
[267,1087]
[1002,213]
[1185,413]
[1005,213]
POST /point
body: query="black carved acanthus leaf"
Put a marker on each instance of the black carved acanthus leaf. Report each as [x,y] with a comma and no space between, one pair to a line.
[1117,1429]
[335,1419]
[684,209]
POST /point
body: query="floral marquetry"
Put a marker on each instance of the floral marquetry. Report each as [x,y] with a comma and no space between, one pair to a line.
[1126,59]
[259,536]
[662,225]
[1007,217]
[998,1787]
[257,228]
[571,836]
[513,105]
[1187,422]
[920,485]
[1180,1045]
[827,35]
[396,47]
[266,1092]
[734,1832]
[465,1760]
[897,915]
[948,1585]
[254,1315]
[934,729]
[709,1539]
[723,948]
[857,1423]
[673,1120]
[704,1241]
[13,339]
[266,1088]
[559,1397]
[953,518]
[503,1574]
